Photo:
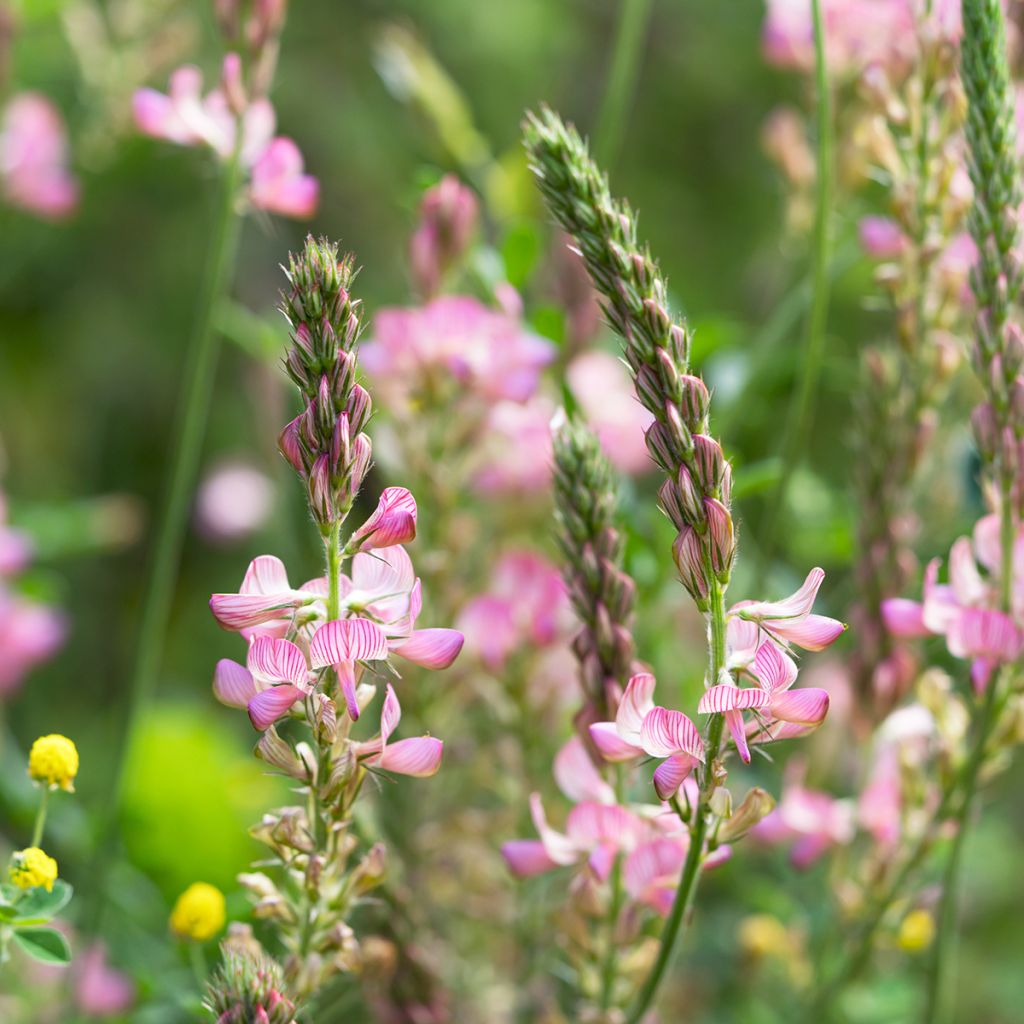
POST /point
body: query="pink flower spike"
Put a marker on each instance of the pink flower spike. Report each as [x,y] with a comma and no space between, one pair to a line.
[904,618]
[419,757]
[270,705]
[527,857]
[664,733]
[807,707]
[393,522]
[232,684]
[278,183]
[431,648]
[577,777]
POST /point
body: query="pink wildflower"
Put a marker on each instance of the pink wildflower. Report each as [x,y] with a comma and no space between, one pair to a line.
[448,214]
[234,500]
[419,756]
[881,238]
[515,455]
[101,990]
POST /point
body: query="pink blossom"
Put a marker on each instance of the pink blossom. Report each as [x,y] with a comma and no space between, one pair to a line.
[790,620]
[881,238]
[880,805]
[101,990]
[602,387]
[30,634]
[525,606]
[419,757]
[448,214]
[33,158]
[234,500]
[275,677]
[279,184]
[393,522]
[651,871]
[455,341]
[514,455]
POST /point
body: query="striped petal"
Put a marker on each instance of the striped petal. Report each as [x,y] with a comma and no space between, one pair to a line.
[577,777]
[612,746]
[390,715]
[383,571]
[723,697]
[527,857]
[796,606]
[232,684]
[265,575]
[738,731]
[347,640]
[419,757]
[806,707]
[392,522]
[431,648]
[665,732]
[243,611]
[671,773]
[813,633]
[984,633]
[774,669]
[269,705]
[277,661]
[636,702]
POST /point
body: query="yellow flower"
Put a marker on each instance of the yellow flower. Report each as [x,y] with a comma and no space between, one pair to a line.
[199,912]
[53,760]
[916,932]
[31,868]
[762,935]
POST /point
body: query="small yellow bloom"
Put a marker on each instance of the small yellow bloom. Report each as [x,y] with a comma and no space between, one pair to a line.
[199,912]
[762,935]
[917,932]
[31,868]
[53,760]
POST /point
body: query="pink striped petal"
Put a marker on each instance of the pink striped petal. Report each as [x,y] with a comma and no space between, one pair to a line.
[347,640]
[390,715]
[419,757]
[796,606]
[806,707]
[904,618]
[277,661]
[774,670]
[385,571]
[527,857]
[813,633]
[558,846]
[577,777]
[232,684]
[636,702]
[671,773]
[651,871]
[243,611]
[347,679]
[392,522]
[612,746]
[666,732]
[270,705]
[265,575]
[738,730]
[721,698]
[984,633]
[431,648]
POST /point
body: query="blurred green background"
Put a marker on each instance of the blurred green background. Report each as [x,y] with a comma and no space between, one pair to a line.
[95,314]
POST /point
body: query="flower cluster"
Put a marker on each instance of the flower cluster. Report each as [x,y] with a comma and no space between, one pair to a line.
[248,985]
[313,650]
[34,171]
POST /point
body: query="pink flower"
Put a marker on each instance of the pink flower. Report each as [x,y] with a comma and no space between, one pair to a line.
[393,522]
[33,158]
[602,387]
[448,214]
[456,341]
[790,621]
[641,727]
[30,634]
[881,238]
[279,184]
[340,644]
[275,677]
[234,500]
[100,990]
[526,606]
[419,757]
[651,871]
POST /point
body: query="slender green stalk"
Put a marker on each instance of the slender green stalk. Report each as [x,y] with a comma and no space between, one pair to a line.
[193,413]
[610,963]
[814,346]
[37,830]
[634,17]
[197,961]
[687,890]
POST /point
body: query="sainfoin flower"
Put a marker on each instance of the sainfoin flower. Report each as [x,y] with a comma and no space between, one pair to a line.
[188,118]
[34,171]
[966,609]
[419,756]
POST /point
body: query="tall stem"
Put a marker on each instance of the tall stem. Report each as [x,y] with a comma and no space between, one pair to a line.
[698,820]
[193,413]
[40,824]
[814,345]
[634,16]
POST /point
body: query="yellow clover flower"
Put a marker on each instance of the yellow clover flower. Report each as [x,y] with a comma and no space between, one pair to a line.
[53,761]
[31,868]
[199,912]
[917,931]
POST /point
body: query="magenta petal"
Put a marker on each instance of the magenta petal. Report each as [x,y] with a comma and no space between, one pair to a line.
[431,648]
[806,707]
[527,857]
[813,633]
[269,705]
[243,611]
[774,669]
[419,757]
[611,745]
[602,860]
[277,661]
[669,775]
[721,698]
[636,702]
[903,617]
[576,775]
[666,732]
[232,684]
[734,720]
[347,640]
[393,522]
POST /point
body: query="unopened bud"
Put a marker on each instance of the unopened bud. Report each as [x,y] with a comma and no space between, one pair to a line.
[755,806]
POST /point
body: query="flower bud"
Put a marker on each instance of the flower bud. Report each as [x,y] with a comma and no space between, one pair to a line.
[755,806]
[690,562]
[721,541]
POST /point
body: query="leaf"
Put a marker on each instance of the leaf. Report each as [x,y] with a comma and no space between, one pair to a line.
[44,944]
[38,906]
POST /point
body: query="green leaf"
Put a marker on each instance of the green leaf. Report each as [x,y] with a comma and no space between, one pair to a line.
[38,906]
[520,250]
[45,944]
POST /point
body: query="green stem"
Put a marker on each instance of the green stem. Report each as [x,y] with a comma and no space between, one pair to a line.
[814,345]
[698,820]
[190,428]
[634,16]
[37,831]
[197,959]
[608,968]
